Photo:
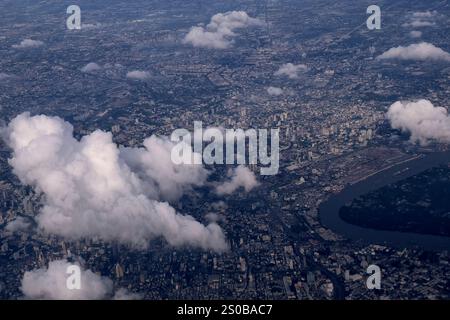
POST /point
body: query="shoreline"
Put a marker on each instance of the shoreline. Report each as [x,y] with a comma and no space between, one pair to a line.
[329,209]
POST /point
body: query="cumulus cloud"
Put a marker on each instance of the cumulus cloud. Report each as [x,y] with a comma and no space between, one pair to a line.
[138,75]
[423,121]
[291,70]
[219,33]
[18,224]
[91,67]
[420,51]
[415,34]
[239,177]
[51,284]
[158,173]
[274,91]
[95,189]
[28,43]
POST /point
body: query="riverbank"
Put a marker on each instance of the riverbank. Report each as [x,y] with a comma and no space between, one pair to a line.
[329,209]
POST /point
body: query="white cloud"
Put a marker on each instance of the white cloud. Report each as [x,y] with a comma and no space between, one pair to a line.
[93,189]
[138,75]
[422,19]
[91,67]
[124,294]
[291,70]
[424,14]
[5,76]
[219,33]
[51,284]
[239,177]
[274,91]
[219,206]
[415,34]
[422,120]
[214,217]
[89,26]
[28,43]
[420,51]
[18,224]
[158,173]
[419,24]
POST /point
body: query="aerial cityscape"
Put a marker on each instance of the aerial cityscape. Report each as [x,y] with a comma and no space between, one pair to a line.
[341,165]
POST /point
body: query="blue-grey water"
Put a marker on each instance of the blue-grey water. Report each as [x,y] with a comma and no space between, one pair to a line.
[329,210]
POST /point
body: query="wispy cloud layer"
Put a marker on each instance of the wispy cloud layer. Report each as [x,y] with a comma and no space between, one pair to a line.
[422,19]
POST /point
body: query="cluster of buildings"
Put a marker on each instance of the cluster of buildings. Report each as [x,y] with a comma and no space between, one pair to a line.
[333,133]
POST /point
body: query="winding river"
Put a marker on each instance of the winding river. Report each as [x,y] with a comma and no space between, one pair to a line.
[329,210]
